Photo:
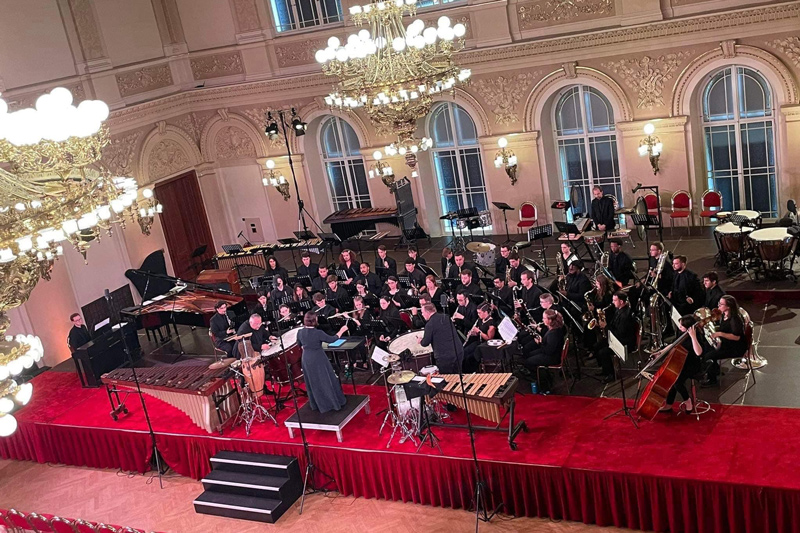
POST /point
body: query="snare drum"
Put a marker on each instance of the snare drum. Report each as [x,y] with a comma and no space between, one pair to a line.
[486,259]
[410,341]
[773,244]
[485,219]
[593,237]
[729,236]
[278,370]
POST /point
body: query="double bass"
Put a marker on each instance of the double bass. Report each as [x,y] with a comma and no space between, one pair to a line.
[655,393]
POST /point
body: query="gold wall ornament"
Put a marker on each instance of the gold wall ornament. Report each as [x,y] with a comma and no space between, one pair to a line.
[646,76]
[54,157]
[504,94]
[276,179]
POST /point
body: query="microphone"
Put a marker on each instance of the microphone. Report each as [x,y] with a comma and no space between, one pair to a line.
[636,189]
[240,234]
[443,301]
[107,295]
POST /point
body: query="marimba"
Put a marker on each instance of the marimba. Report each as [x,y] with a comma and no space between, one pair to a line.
[489,396]
[196,390]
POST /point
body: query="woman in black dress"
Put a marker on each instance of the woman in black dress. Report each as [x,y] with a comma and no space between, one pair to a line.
[323,387]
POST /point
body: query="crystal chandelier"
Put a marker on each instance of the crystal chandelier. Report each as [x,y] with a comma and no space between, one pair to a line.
[393,71]
[54,189]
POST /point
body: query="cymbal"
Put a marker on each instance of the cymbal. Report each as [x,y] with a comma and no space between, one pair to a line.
[593,233]
[401,378]
[478,247]
[222,363]
[391,358]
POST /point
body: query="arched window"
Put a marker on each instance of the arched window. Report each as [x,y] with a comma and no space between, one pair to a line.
[587,145]
[740,140]
[457,159]
[292,15]
[344,166]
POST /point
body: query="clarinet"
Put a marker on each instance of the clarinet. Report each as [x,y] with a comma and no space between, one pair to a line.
[469,334]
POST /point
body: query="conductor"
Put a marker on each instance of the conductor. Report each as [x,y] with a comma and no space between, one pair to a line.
[441,334]
[323,387]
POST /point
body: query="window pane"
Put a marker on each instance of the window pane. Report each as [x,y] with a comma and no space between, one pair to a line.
[331,144]
[467,133]
[599,115]
[471,163]
[331,11]
[337,179]
[351,144]
[568,114]
[441,129]
[754,98]
[604,157]
[284,18]
[445,169]
[307,13]
[718,100]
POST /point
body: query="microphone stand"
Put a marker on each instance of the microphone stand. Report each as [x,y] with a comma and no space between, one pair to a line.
[125,347]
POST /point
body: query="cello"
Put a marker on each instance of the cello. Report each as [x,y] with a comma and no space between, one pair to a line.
[655,393]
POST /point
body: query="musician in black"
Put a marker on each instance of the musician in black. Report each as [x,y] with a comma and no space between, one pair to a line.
[514,276]
[392,287]
[78,333]
[432,290]
[280,293]
[372,281]
[448,263]
[308,268]
[390,315]
[476,347]
[321,307]
[732,339]
[687,294]
[415,276]
[547,347]
[462,263]
[221,327]
[469,285]
[287,319]
[417,321]
[360,317]
[530,292]
[385,266]
[667,274]
[413,254]
[502,263]
[440,332]
[602,210]
[624,327]
[577,284]
[259,339]
[300,294]
[263,307]
[713,291]
[695,344]
[546,301]
[466,313]
[620,264]
[320,283]
[348,264]
[275,270]
[363,291]
[503,296]
[335,293]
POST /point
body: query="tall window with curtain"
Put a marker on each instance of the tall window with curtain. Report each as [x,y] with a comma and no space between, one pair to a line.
[587,145]
[344,166]
[298,14]
[739,140]
[457,159]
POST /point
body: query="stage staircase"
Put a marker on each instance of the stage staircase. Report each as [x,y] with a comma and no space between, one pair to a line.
[250,486]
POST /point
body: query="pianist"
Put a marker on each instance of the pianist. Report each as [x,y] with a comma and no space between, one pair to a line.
[221,327]
[79,334]
[259,337]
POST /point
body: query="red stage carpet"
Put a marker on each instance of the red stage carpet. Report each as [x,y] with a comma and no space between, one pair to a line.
[735,470]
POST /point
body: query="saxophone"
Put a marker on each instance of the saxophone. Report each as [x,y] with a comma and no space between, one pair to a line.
[560,274]
[588,316]
[508,275]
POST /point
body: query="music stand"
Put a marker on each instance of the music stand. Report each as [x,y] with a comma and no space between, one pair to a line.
[647,221]
[561,204]
[502,206]
[621,353]
[539,233]
[233,249]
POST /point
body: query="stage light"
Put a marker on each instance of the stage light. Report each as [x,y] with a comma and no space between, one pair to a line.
[272,127]
[298,125]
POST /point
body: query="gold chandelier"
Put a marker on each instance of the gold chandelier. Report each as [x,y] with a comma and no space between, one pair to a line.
[54,188]
[394,71]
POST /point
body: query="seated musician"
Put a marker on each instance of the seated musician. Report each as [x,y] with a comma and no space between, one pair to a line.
[275,270]
[462,263]
[469,285]
[503,296]
[363,291]
[602,210]
[300,294]
[413,254]
[392,287]
[348,263]
[695,344]
[476,348]
[372,281]
[578,285]
[548,347]
[565,257]
[530,292]
[221,327]
[415,276]
[263,308]
[514,276]
[280,293]
[466,314]
[390,315]
[620,264]
[78,333]
[385,266]
[361,313]
[448,263]
[259,339]
[713,291]
[502,263]
[307,268]
[546,301]
[417,321]
[440,333]
[624,327]
[287,319]
[335,293]
[320,283]
[687,294]
[432,291]
[732,340]
[321,306]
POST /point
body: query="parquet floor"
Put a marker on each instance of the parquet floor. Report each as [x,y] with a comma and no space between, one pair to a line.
[136,501]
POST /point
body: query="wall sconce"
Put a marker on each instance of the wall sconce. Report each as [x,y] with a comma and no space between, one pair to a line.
[505,158]
[384,170]
[651,146]
[276,180]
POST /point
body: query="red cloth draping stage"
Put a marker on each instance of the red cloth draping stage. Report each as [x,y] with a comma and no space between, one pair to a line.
[735,470]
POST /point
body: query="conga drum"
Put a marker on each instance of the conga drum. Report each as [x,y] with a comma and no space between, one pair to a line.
[254,376]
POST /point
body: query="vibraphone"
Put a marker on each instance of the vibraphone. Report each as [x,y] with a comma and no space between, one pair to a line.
[196,390]
[350,222]
[258,253]
[485,395]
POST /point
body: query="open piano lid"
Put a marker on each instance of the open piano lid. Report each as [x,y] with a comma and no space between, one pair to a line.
[154,264]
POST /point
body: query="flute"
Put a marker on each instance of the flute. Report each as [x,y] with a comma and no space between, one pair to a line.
[469,332]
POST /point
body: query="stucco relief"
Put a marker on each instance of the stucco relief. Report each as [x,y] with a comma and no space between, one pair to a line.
[545,12]
[646,76]
[298,53]
[789,46]
[246,15]
[167,157]
[258,115]
[233,143]
[214,66]
[504,93]
[118,153]
[87,29]
[193,124]
[22,101]
[143,80]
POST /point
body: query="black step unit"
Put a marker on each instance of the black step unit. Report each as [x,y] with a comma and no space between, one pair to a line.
[250,486]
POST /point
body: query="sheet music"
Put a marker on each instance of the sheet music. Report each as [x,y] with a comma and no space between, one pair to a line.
[507,330]
[421,379]
[617,347]
[378,354]
[101,323]
[676,317]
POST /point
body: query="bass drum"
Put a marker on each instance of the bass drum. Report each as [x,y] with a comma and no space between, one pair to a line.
[421,356]
[277,363]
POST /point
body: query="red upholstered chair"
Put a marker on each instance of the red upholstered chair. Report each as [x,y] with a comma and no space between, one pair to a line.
[681,208]
[710,204]
[652,203]
[527,216]
[561,367]
[105,528]
[8,522]
[406,318]
[39,523]
[18,521]
[61,525]
[82,526]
